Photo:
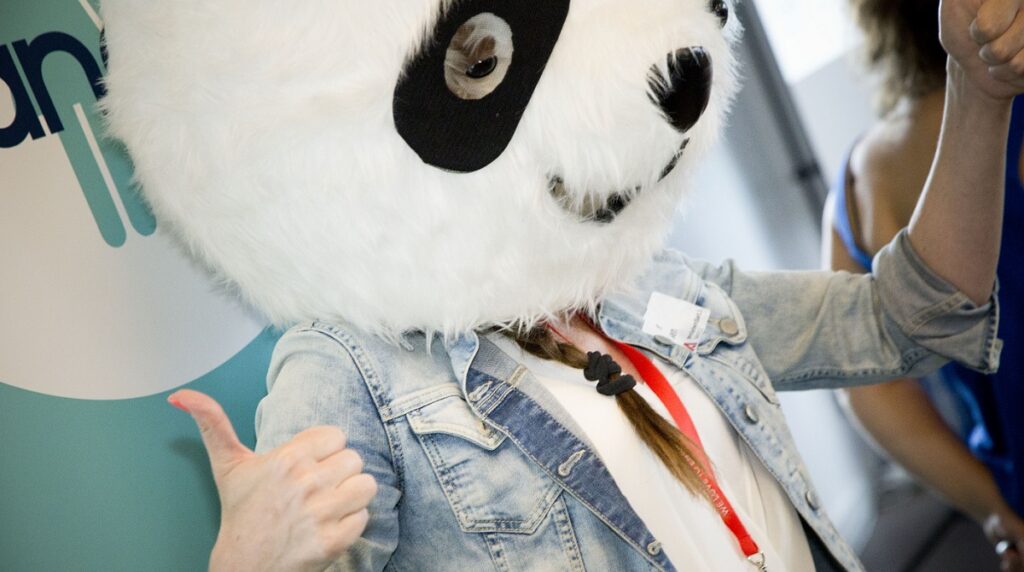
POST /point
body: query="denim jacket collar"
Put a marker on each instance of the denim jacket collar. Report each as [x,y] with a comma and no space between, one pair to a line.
[622,317]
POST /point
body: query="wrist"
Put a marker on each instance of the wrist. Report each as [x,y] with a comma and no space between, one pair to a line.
[987,501]
[962,93]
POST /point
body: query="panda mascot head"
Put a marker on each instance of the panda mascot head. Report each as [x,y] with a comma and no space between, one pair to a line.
[418,165]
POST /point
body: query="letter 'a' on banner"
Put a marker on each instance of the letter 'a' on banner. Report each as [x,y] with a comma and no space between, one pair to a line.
[101,316]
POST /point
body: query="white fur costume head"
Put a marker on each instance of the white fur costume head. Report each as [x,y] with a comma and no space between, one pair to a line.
[263,133]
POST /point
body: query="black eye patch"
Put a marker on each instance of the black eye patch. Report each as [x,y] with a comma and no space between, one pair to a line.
[468,132]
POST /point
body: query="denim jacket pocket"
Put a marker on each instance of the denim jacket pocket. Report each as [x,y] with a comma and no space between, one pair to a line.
[490,484]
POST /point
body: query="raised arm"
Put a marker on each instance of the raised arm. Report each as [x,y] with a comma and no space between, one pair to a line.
[956,229]
[929,297]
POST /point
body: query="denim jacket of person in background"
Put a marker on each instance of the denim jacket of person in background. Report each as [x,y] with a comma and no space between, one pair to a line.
[480,468]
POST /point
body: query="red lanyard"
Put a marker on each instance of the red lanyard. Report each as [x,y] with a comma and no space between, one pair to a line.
[654,379]
[663,389]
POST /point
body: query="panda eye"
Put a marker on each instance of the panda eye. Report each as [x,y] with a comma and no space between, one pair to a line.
[463,92]
[478,57]
[483,68]
[721,9]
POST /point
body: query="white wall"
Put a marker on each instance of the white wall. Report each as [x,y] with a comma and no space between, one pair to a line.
[836,103]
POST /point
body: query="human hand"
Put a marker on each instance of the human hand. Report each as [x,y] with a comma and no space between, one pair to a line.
[1006,532]
[298,507]
[985,42]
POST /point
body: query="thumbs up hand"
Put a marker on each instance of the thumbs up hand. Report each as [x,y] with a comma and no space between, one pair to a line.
[298,507]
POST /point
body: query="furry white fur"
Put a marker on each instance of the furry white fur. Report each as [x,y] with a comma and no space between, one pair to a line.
[262,133]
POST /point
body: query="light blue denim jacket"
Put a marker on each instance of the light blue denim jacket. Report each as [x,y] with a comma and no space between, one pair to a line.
[480,468]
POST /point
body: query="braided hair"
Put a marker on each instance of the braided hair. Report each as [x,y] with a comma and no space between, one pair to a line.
[673,448]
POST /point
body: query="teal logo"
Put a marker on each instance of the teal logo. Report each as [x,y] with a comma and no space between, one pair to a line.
[55,80]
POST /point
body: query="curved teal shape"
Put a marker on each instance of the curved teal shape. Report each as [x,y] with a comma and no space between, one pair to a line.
[104,485]
[117,485]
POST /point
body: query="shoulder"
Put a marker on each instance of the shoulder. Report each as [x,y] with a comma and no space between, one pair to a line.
[889,167]
[883,157]
[905,138]
[333,373]
[346,352]
[675,273]
[384,365]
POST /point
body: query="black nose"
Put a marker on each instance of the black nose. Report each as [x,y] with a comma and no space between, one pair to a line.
[684,94]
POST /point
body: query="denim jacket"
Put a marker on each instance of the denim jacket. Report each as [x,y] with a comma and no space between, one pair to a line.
[480,468]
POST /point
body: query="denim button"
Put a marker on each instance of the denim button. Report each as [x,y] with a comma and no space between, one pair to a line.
[565,469]
[654,548]
[752,415]
[729,327]
[479,392]
[812,500]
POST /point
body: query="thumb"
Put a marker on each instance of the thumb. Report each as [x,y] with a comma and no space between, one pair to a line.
[222,444]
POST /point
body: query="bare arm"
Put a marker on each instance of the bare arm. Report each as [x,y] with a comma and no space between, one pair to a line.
[901,419]
[956,229]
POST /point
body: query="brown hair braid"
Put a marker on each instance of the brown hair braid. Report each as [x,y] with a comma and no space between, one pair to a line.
[673,448]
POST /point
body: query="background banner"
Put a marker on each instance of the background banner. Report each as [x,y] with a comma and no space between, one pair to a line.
[101,316]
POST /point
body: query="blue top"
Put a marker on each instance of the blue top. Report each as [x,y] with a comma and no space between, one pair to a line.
[995,425]
[997,435]
[842,216]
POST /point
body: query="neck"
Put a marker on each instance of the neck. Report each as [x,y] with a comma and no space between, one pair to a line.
[579,332]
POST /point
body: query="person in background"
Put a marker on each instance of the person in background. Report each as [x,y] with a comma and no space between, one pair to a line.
[976,466]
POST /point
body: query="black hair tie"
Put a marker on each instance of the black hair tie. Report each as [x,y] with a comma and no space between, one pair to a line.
[608,375]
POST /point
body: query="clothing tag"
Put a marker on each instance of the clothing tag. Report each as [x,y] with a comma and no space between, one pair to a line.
[680,321]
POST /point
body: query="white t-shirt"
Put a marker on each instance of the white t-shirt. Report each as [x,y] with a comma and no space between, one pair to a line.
[690,529]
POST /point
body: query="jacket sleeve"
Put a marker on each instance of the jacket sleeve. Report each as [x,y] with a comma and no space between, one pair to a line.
[314,380]
[826,330]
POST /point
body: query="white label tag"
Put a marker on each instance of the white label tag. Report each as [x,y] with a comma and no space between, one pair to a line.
[680,321]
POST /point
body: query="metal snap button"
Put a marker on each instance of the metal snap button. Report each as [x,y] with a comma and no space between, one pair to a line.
[654,548]
[729,327]
[752,415]
[812,500]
